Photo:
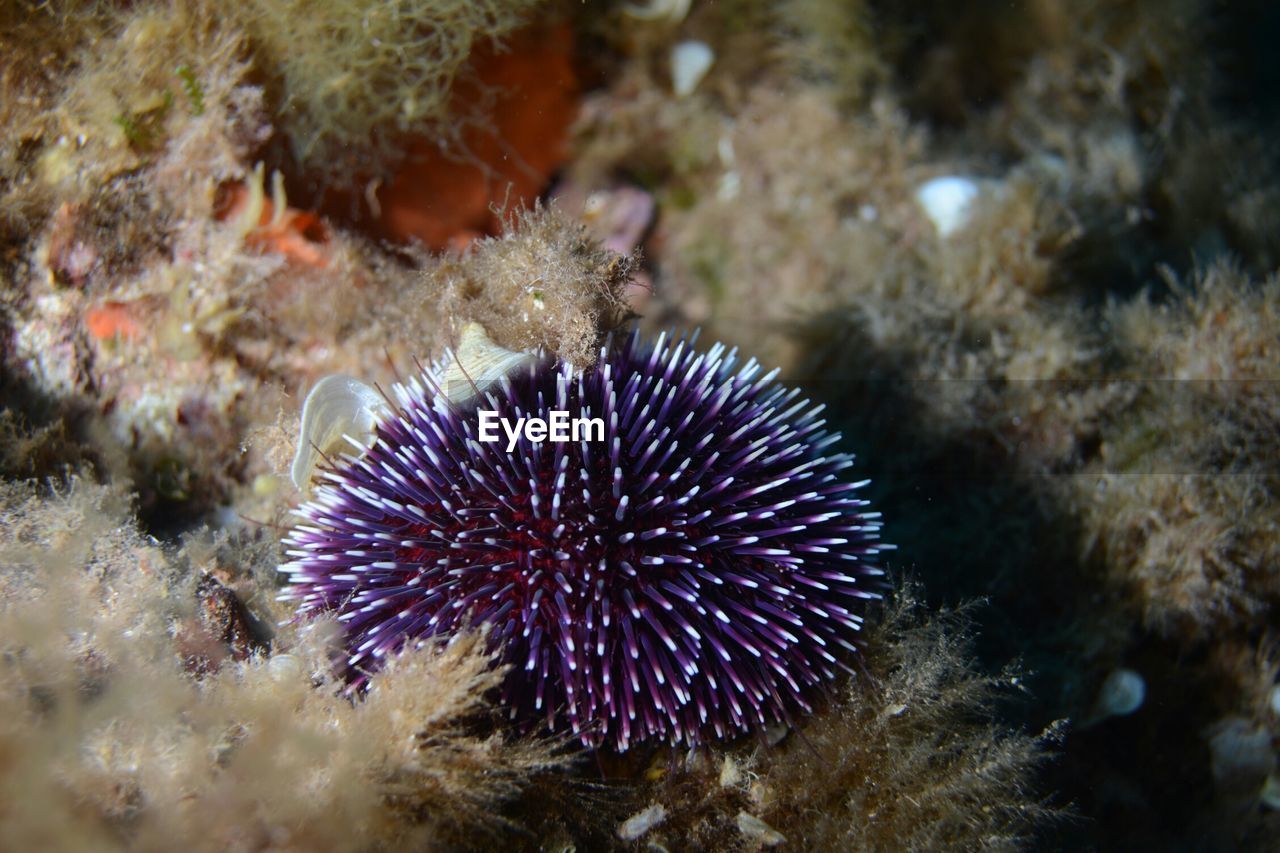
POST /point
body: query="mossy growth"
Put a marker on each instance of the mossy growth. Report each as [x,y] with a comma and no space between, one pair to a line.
[906,756]
[353,79]
[128,723]
[40,43]
[832,44]
[1181,500]
[545,284]
[150,70]
[911,759]
[94,91]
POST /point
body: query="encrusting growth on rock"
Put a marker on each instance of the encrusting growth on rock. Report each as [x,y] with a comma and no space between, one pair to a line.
[543,284]
[106,734]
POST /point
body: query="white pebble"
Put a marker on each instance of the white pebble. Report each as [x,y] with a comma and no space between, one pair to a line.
[1240,756]
[690,62]
[729,185]
[1122,693]
[725,149]
[284,668]
[1275,700]
[641,822]
[947,201]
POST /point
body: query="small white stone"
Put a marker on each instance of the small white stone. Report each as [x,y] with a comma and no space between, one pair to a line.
[730,775]
[671,11]
[1122,693]
[729,185]
[1275,700]
[690,62]
[1271,792]
[948,201]
[754,829]
[641,822]
[725,149]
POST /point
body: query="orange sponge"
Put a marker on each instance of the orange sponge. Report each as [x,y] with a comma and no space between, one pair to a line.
[445,201]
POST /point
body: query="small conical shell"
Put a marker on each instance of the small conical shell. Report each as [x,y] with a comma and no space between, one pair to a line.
[478,363]
[337,407]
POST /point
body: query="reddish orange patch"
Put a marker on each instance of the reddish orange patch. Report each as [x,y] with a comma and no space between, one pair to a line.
[446,201]
[112,320]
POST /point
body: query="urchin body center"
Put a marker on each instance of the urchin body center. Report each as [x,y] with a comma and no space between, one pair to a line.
[566,551]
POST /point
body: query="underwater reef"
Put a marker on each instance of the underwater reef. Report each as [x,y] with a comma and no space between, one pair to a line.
[937,354]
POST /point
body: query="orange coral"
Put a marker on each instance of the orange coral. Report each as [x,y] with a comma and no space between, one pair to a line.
[446,201]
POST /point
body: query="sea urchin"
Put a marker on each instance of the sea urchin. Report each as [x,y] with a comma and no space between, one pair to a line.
[696,573]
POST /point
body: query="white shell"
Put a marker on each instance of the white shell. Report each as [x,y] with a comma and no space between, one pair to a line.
[478,363]
[337,408]
[690,62]
[948,202]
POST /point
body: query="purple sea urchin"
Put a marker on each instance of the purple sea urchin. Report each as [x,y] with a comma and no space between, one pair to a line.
[695,573]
